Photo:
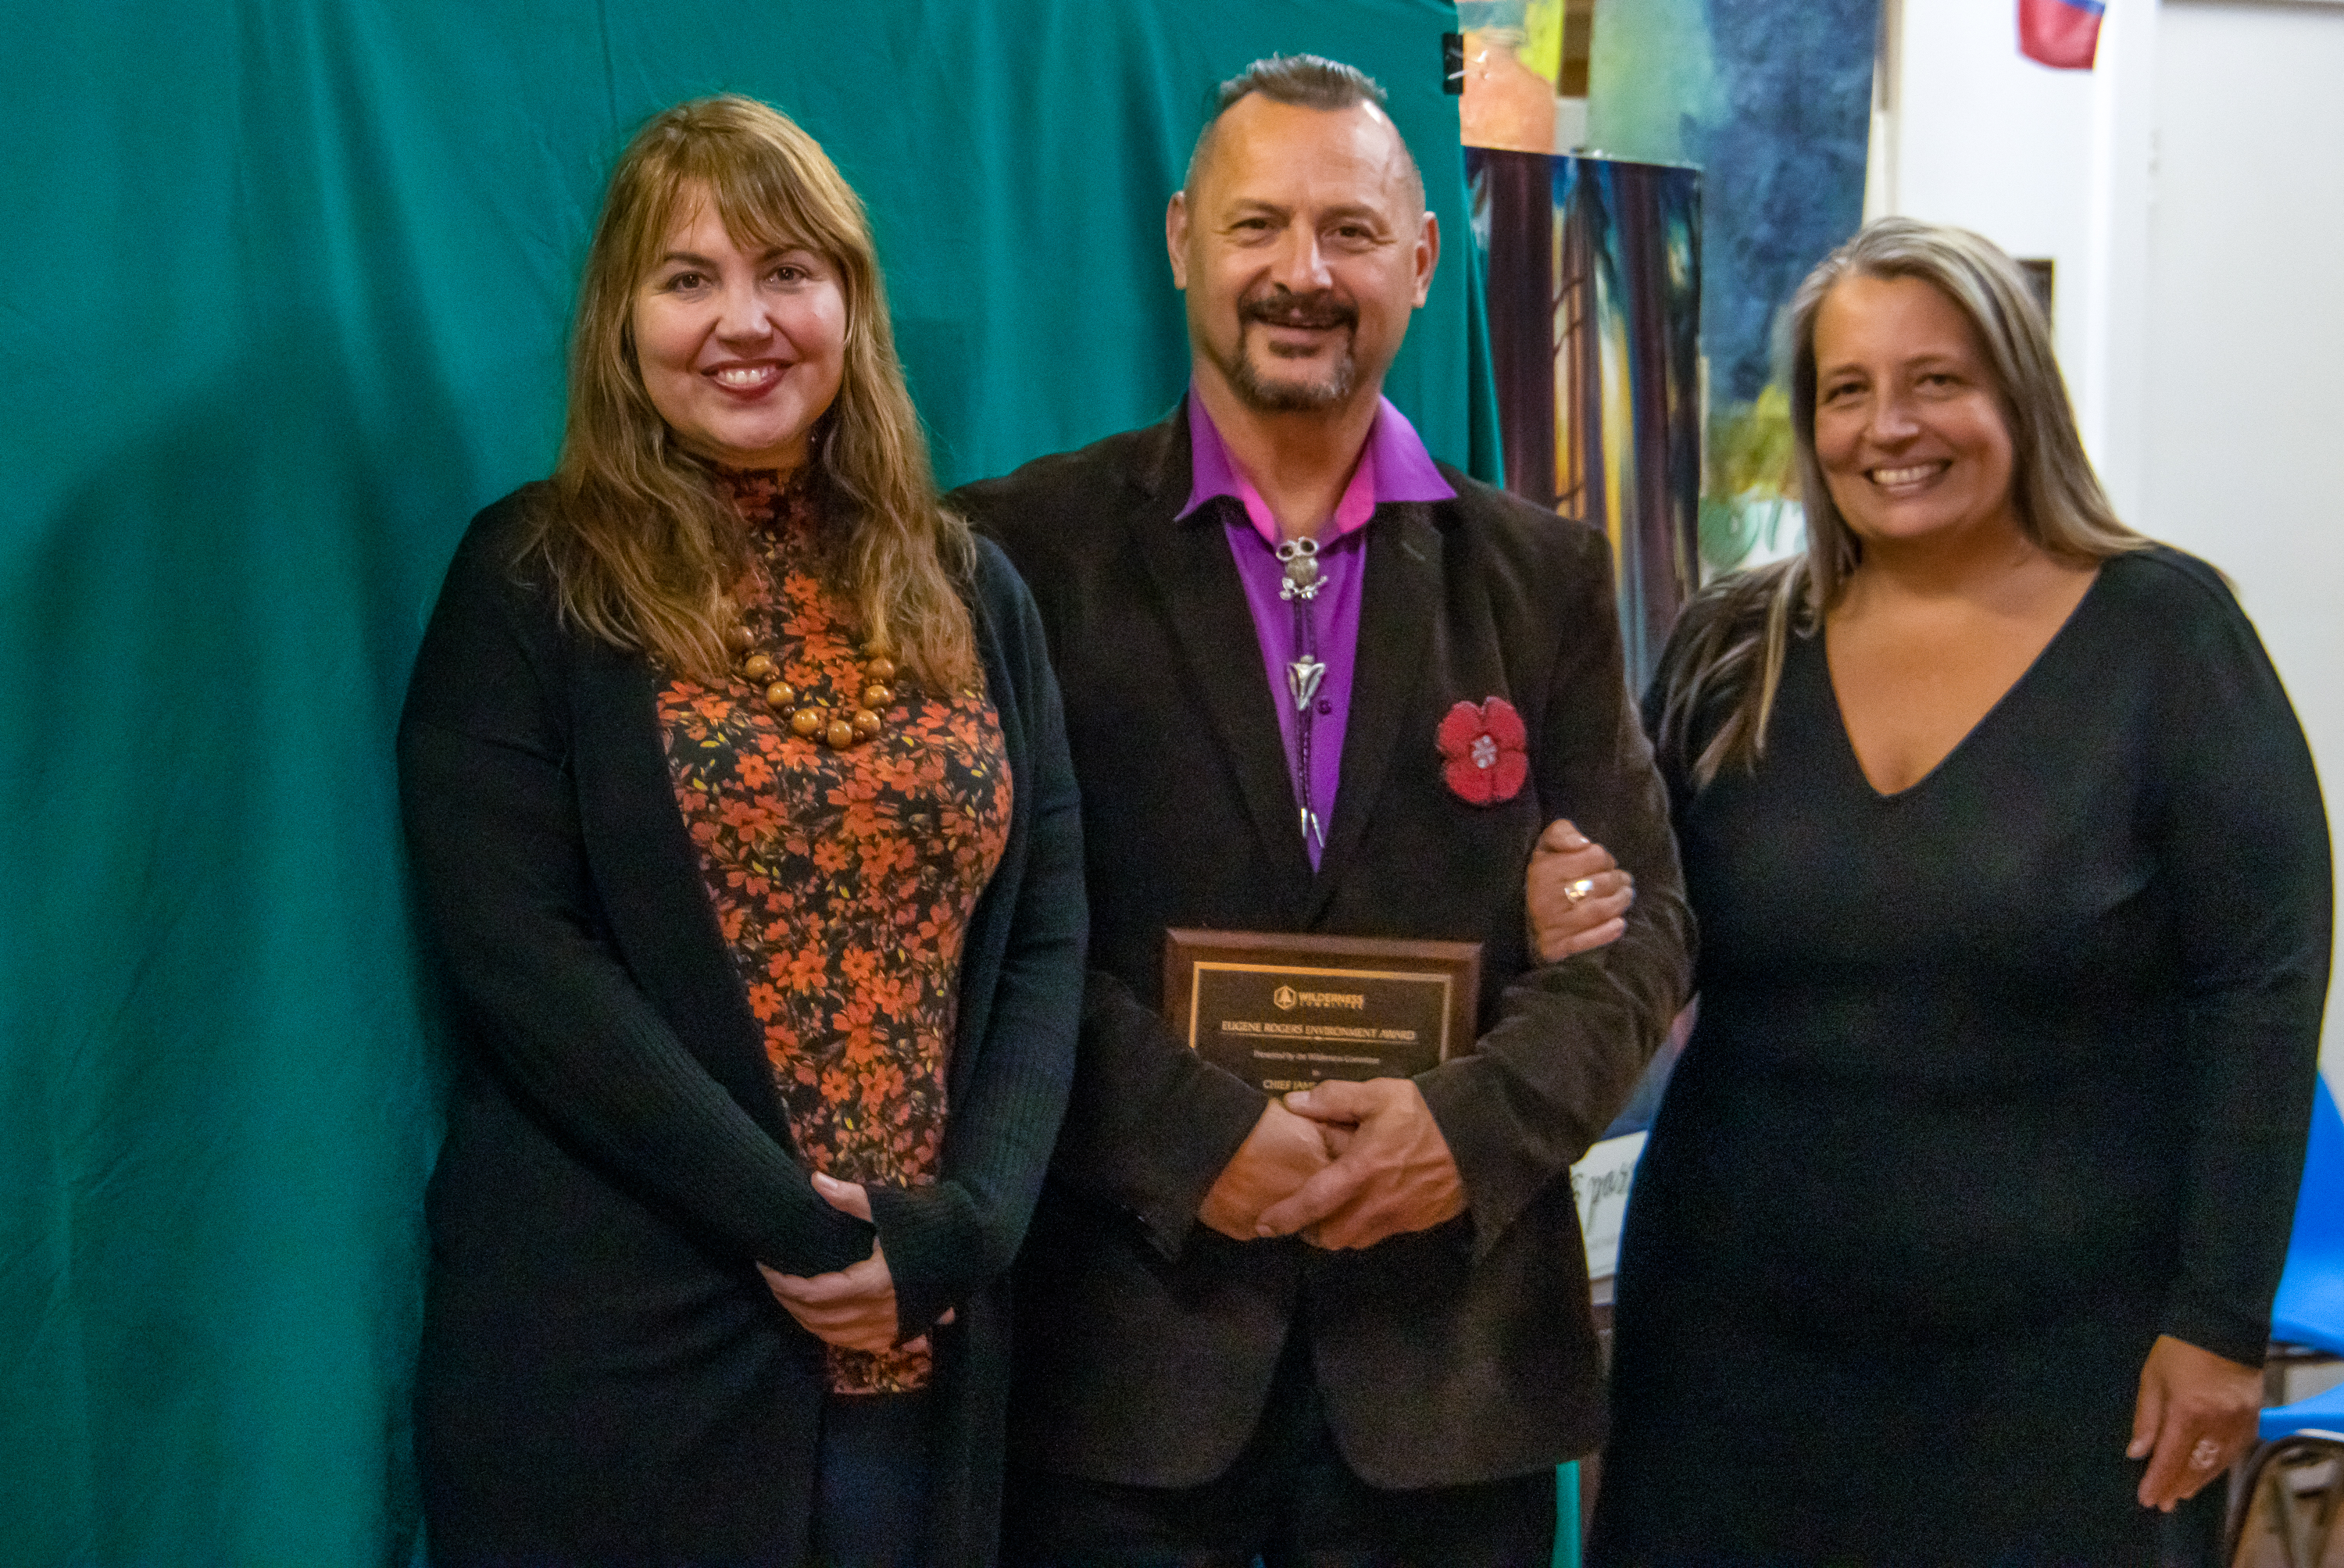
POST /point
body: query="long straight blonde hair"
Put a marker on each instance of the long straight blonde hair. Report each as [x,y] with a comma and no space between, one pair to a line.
[1729,654]
[640,548]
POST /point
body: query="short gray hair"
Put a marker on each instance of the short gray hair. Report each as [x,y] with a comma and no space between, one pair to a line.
[1306,82]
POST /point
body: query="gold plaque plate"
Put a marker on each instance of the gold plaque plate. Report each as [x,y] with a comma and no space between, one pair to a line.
[1284,1012]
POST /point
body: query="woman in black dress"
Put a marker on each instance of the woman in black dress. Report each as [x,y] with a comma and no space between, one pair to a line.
[1956,1237]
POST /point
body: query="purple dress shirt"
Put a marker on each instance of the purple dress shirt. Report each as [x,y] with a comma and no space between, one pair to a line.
[1393,467]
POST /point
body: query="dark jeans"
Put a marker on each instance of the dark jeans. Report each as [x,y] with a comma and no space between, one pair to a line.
[1289,1500]
[871,1489]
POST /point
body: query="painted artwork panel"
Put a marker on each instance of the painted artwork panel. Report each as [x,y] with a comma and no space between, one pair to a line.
[1593,290]
[1771,99]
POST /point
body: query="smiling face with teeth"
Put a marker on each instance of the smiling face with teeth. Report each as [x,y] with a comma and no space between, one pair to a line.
[1304,247]
[740,351]
[1909,429]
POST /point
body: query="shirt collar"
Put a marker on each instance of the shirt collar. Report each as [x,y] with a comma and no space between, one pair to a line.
[1393,466]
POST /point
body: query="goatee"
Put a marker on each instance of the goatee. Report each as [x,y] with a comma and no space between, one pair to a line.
[1264,396]
[1283,307]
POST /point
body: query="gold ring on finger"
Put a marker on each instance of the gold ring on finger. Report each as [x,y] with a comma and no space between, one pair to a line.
[1580,891]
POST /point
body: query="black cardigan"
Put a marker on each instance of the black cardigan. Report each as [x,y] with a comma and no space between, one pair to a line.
[605,1376]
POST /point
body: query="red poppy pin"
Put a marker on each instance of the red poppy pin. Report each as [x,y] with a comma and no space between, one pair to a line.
[1482,747]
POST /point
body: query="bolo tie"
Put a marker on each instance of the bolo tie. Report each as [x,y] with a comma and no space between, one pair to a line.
[1305,670]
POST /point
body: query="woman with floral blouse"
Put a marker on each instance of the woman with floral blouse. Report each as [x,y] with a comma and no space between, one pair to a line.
[739,802]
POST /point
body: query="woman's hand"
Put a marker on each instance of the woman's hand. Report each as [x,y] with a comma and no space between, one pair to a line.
[2195,1417]
[1578,895]
[853,1309]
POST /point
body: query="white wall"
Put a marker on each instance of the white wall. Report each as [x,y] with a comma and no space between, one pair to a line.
[2190,189]
[2244,392]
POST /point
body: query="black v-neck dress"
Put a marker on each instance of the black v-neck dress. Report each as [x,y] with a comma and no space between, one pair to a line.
[1995,1079]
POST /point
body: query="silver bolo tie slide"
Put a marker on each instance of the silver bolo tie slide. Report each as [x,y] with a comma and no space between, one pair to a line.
[1302,581]
[1300,585]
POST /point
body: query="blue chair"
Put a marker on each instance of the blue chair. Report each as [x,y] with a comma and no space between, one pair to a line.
[2287,1507]
[2321,1415]
[2309,1308]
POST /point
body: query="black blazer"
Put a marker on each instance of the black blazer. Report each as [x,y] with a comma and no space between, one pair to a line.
[604,1375]
[1144,1340]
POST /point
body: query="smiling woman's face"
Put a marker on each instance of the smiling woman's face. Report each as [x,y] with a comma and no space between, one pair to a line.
[1909,427]
[741,352]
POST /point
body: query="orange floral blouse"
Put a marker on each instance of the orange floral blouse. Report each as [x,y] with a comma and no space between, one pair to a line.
[842,881]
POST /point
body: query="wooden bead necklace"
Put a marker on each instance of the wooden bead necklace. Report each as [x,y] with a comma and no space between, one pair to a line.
[838,727]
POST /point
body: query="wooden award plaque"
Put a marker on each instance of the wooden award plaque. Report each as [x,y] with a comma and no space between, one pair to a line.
[1284,1012]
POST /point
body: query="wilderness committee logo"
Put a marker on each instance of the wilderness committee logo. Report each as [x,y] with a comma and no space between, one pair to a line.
[1287,998]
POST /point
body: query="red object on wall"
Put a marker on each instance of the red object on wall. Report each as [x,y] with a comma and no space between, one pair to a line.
[2064,33]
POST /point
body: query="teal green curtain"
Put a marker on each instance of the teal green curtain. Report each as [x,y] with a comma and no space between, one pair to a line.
[285,287]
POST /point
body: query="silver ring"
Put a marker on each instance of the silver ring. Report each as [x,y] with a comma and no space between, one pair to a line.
[2206,1454]
[1580,891]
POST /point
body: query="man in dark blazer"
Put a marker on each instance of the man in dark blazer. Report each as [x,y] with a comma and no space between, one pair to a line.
[1317,682]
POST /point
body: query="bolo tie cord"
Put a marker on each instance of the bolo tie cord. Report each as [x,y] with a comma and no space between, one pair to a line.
[1299,557]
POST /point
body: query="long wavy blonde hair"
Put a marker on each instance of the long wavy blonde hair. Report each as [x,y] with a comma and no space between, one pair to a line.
[1728,661]
[640,548]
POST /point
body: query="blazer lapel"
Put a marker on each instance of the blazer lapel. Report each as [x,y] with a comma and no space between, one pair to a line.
[1398,607]
[1210,625]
